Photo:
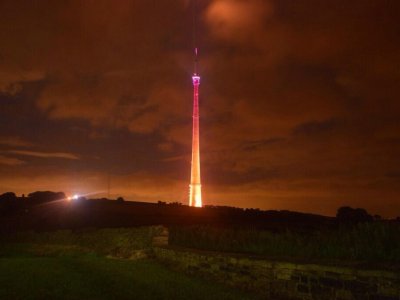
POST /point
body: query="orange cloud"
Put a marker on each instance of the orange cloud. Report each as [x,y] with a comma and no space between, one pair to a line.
[14,142]
[10,161]
[44,154]
[238,20]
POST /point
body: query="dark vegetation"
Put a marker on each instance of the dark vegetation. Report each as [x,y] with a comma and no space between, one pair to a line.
[115,242]
[362,242]
[354,235]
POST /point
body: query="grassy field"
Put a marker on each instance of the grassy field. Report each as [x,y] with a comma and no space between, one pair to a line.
[69,274]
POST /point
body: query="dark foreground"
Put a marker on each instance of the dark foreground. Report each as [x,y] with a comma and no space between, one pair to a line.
[85,276]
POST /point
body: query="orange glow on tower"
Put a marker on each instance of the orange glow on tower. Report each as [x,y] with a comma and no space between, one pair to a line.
[195,182]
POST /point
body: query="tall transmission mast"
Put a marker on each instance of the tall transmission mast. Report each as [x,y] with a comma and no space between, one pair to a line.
[195,182]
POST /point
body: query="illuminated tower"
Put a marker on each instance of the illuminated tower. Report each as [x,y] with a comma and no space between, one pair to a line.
[195,183]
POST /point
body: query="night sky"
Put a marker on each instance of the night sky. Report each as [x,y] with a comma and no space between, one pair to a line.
[299,101]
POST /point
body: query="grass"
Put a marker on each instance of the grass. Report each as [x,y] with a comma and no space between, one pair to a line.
[73,275]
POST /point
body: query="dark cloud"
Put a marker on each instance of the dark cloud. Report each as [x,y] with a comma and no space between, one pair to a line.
[311,128]
[299,100]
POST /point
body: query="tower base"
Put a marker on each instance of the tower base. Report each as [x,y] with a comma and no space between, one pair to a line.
[195,195]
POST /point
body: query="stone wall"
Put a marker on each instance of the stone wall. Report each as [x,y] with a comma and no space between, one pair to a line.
[282,280]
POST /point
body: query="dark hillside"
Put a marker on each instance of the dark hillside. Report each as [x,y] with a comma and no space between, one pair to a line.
[103,213]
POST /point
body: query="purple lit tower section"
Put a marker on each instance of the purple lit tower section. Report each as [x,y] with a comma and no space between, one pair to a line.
[195,182]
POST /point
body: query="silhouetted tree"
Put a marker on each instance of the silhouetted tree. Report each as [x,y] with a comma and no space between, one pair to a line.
[7,196]
[353,215]
[8,202]
[45,196]
[120,199]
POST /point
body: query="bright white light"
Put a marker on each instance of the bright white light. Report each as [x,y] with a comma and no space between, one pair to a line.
[75,197]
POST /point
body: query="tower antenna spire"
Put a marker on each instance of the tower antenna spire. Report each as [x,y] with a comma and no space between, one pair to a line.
[195,47]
